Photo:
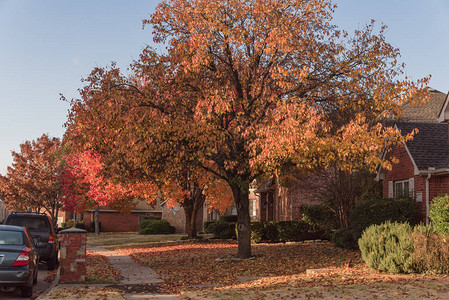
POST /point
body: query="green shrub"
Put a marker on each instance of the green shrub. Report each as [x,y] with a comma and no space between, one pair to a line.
[292,231]
[270,231]
[224,230]
[431,253]
[156,226]
[209,226]
[344,238]
[80,225]
[229,218]
[439,213]
[388,247]
[92,226]
[68,224]
[279,231]
[257,232]
[381,210]
[319,217]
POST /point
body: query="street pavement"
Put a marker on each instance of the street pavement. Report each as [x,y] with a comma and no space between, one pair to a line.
[39,287]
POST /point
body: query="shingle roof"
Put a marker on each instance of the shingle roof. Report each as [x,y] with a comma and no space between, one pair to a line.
[424,113]
[430,146]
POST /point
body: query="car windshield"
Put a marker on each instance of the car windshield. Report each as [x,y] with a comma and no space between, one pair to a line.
[11,238]
[31,223]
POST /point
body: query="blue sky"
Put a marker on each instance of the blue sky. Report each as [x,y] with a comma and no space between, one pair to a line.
[47,46]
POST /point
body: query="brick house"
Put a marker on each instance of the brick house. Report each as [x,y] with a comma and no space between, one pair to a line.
[282,201]
[422,170]
[427,154]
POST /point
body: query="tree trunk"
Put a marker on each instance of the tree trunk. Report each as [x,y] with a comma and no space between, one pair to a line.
[191,207]
[241,199]
[97,220]
[188,212]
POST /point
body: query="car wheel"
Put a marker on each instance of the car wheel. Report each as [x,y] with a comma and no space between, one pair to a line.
[35,276]
[27,291]
[51,263]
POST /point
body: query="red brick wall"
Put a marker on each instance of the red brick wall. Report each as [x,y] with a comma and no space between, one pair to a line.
[114,221]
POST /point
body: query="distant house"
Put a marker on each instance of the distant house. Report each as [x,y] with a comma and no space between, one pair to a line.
[423,168]
[282,202]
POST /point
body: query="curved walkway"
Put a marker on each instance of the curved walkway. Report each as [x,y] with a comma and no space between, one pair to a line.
[139,282]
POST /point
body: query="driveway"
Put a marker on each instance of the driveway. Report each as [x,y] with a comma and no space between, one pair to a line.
[40,286]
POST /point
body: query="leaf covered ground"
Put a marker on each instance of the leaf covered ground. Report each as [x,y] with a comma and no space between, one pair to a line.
[204,270]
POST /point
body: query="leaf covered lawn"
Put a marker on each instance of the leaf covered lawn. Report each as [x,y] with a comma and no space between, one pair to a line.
[191,266]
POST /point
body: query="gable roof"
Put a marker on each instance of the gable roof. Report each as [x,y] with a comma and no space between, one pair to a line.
[430,146]
[424,113]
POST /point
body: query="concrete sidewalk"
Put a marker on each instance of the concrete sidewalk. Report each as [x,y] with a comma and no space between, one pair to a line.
[137,281]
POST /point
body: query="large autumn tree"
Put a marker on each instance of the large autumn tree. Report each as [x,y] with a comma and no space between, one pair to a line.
[246,86]
[32,182]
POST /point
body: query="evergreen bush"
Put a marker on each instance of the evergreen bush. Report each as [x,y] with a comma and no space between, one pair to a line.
[156,226]
[209,226]
[344,238]
[388,247]
[224,230]
[439,213]
[80,225]
[378,211]
[319,217]
[257,232]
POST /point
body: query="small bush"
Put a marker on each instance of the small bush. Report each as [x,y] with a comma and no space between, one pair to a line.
[92,226]
[156,226]
[224,230]
[292,231]
[229,218]
[439,214]
[431,253]
[381,210]
[319,217]
[209,226]
[388,247]
[80,225]
[344,238]
[68,224]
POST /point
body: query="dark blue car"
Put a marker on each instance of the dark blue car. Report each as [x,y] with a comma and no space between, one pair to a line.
[18,260]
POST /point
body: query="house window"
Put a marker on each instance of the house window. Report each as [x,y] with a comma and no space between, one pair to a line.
[402,188]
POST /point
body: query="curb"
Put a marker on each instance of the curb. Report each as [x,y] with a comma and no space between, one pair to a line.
[52,285]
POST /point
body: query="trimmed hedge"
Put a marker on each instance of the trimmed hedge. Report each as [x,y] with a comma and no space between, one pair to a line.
[319,217]
[209,226]
[378,211]
[282,231]
[156,226]
[388,247]
[229,218]
[223,230]
[344,238]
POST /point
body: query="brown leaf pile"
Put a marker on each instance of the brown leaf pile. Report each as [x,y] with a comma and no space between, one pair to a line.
[98,269]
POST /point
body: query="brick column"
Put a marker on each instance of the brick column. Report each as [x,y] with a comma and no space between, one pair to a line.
[73,255]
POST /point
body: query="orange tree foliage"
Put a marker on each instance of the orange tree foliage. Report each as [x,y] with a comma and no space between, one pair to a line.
[243,88]
[32,182]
